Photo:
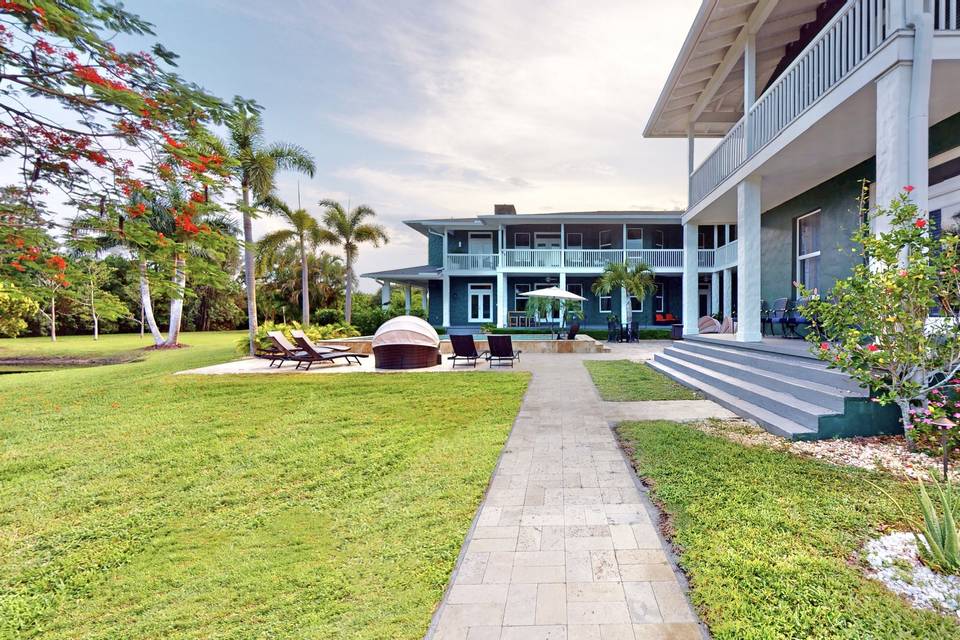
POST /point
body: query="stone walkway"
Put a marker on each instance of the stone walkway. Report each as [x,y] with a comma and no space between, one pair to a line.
[565,546]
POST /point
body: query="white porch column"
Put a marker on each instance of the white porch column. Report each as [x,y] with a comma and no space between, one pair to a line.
[691,148]
[715,291]
[727,292]
[385,292]
[893,144]
[748,260]
[407,298]
[446,299]
[691,284]
[501,299]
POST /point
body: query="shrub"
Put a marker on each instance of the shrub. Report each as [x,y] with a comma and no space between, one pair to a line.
[327,316]
[367,321]
[939,539]
[925,434]
[15,307]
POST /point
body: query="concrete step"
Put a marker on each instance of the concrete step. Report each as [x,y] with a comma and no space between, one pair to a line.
[831,397]
[769,420]
[777,402]
[794,366]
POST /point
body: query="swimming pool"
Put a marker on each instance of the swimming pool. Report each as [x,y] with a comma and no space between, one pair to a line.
[515,336]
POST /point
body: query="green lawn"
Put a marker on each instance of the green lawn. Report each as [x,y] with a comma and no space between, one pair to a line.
[137,504]
[623,380]
[769,539]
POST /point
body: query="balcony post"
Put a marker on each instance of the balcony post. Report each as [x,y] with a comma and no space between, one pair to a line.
[691,148]
[385,293]
[446,299]
[714,292]
[691,279]
[501,299]
[749,87]
[728,293]
[748,260]
[446,252]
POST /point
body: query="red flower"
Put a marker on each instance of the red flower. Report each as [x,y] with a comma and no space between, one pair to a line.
[138,210]
[920,223]
[196,196]
[57,262]
[824,346]
[908,188]
[872,347]
[16,265]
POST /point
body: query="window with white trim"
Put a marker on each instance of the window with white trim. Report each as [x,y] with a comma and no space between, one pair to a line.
[636,304]
[575,287]
[808,250]
[659,299]
[519,303]
[605,303]
[521,240]
[634,238]
[574,240]
[605,239]
[480,296]
[659,239]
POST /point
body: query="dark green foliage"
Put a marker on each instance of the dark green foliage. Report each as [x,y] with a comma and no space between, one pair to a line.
[327,316]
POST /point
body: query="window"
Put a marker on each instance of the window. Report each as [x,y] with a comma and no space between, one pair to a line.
[574,240]
[808,250]
[575,287]
[546,240]
[519,303]
[605,303]
[481,302]
[659,239]
[605,241]
[521,240]
[701,240]
[659,299]
[733,233]
[636,304]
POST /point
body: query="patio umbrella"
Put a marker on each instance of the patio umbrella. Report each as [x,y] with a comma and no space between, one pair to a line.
[555,293]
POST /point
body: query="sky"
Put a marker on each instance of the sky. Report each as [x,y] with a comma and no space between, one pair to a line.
[444,108]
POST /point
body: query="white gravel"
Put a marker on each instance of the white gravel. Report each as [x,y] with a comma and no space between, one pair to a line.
[894,561]
[880,453]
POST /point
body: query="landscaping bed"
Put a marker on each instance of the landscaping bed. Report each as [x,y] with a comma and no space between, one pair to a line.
[772,542]
[138,504]
[624,381]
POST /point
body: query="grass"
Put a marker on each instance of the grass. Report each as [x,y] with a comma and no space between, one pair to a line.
[769,540]
[138,504]
[624,381]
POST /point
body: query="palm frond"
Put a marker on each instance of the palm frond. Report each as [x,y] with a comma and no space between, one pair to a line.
[292,157]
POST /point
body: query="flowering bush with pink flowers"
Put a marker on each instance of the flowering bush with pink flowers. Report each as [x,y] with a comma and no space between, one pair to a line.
[943,403]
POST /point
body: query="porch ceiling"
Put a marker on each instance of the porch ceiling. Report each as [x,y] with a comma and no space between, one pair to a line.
[706,83]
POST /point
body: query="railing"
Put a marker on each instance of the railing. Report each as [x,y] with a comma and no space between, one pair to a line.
[597,259]
[845,42]
[657,258]
[472,261]
[725,256]
[945,15]
[533,258]
[592,258]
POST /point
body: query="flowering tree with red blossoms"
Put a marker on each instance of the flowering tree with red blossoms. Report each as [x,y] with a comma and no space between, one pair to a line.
[876,325]
[105,130]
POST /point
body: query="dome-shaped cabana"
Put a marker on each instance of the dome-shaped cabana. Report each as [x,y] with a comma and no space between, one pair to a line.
[406,342]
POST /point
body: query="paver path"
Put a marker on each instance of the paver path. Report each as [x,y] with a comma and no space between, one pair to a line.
[564,546]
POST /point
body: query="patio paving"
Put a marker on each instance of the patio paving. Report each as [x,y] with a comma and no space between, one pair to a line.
[565,544]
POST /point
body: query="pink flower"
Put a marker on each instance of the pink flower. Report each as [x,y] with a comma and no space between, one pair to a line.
[920,223]
[908,188]
[902,273]
[824,346]
[872,347]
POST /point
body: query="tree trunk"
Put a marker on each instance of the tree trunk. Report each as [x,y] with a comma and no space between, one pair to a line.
[907,424]
[142,320]
[304,286]
[176,304]
[93,314]
[248,259]
[146,305]
[53,318]
[348,292]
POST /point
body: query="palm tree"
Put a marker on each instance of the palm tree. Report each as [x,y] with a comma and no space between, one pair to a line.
[257,165]
[637,280]
[303,230]
[348,230]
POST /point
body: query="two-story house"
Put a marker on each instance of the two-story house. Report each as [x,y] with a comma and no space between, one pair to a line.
[479,267]
[809,98]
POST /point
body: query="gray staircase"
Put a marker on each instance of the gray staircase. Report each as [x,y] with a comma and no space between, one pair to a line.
[789,394]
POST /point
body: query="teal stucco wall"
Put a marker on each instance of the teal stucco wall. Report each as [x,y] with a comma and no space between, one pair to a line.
[435,250]
[460,299]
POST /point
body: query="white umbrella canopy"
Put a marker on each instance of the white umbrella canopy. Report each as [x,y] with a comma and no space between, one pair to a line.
[552,292]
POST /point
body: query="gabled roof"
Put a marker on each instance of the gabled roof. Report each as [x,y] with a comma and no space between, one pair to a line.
[706,83]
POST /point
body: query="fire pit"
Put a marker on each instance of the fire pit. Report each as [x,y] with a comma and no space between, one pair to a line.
[406,342]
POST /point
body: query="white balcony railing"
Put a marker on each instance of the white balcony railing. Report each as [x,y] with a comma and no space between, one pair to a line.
[536,258]
[592,258]
[657,258]
[726,256]
[473,261]
[846,41]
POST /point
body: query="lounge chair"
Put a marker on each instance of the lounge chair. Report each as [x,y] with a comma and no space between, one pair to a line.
[303,356]
[326,353]
[501,350]
[464,348]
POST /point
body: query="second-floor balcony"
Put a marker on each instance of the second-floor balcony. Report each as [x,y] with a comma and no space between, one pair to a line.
[835,60]
[587,260]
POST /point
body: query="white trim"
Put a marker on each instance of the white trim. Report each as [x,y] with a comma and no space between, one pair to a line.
[609,298]
[796,250]
[488,235]
[659,239]
[542,234]
[661,293]
[480,289]
[578,285]
[516,295]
